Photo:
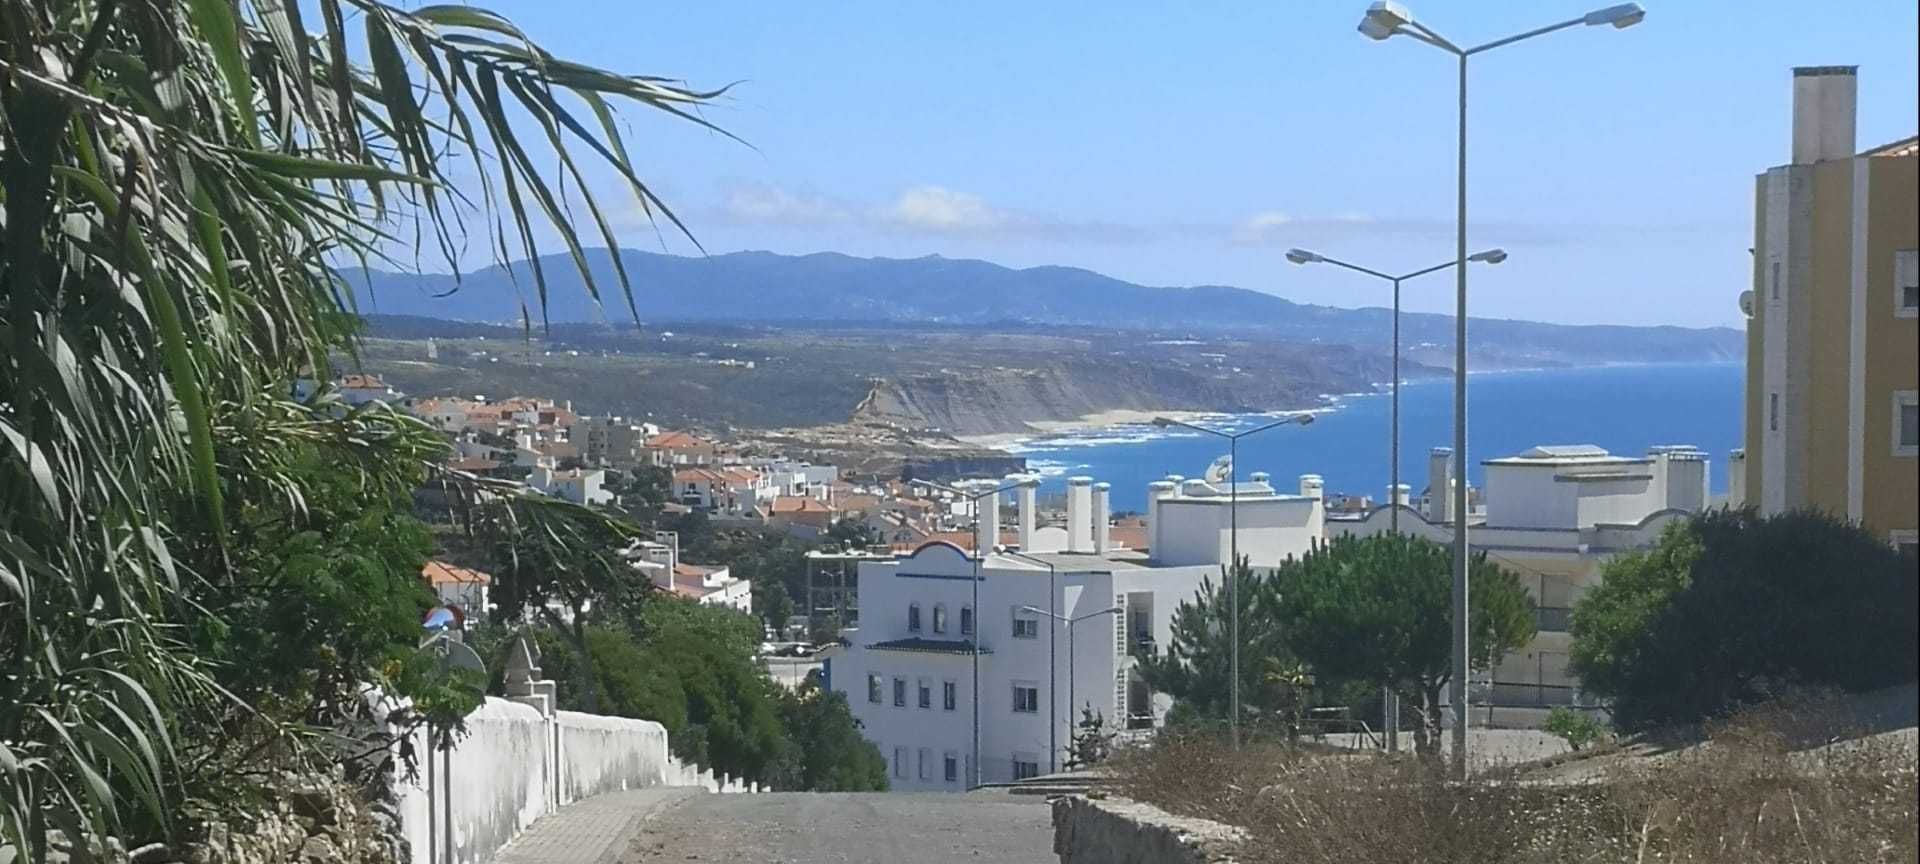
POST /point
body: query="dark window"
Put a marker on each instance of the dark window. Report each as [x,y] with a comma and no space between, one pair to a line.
[873,688]
[899,692]
[1773,412]
[939,617]
[1910,424]
[966,620]
[948,695]
[1023,769]
[913,617]
[950,767]
[926,695]
[1026,698]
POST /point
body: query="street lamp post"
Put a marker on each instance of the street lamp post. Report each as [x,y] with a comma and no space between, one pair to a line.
[1062,619]
[1302,256]
[1384,20]
[1053,662]
[980,553]
[1233,542]
[1389,700]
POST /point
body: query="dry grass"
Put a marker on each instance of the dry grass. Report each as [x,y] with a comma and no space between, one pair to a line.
[1746,795]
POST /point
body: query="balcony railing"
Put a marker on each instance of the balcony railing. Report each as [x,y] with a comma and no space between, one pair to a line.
[1551,619]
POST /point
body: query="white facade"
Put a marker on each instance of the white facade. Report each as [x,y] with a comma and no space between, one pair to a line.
[579,485]
[1553,516]
[909,672]
[909,668]
[1192,521]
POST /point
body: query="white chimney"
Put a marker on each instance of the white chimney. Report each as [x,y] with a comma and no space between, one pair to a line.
[1311,486]
[1079,514]
[986,531]
[1737,478]
[1102,519]
[1261,478]
[1823,113]
[1397,496]
[1026,496]
[1177,481]
[1156,491]
[1440,485]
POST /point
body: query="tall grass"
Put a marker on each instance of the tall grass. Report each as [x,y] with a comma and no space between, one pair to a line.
[1745,795]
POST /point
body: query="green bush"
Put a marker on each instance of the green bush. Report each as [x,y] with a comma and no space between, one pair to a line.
[1732,607]
[1577,728]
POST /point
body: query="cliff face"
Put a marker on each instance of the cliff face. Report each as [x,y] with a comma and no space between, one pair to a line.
[1004,400]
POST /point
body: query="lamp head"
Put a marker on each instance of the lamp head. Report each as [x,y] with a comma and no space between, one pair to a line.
[1302,256]
[1621,17]
[1491,256]
[1383,19]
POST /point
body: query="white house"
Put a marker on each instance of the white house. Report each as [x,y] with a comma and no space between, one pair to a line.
[1552,515]
[579,485]
[458,586]
[931,619]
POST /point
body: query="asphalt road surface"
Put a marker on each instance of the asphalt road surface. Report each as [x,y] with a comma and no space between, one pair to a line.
[823,828]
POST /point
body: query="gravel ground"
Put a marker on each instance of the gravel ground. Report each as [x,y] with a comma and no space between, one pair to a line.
[822,828]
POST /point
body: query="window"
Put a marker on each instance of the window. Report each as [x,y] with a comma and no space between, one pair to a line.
[1906,283]
[966,620]
[900,762]
[950,767]
[1026,697]
[939,617]
[913,617]
[948,695]
[926,694]
[1025,767]
[1026,625]
[1773,412]
[1906,422]
[873,688]
[926,764]
[1776,280]
[899,692]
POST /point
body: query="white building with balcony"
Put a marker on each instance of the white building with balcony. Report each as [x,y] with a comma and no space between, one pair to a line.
[935,622]
[1552,515]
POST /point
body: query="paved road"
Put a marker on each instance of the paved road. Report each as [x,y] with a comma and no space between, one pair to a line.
[819,828]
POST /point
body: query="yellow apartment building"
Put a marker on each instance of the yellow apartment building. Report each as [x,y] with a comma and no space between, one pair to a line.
[1833,322]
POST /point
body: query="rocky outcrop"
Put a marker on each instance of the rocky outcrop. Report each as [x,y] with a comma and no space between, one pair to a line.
[1119,831]
[986,401]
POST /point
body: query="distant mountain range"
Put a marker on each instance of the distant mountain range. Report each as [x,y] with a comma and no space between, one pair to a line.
[829,287]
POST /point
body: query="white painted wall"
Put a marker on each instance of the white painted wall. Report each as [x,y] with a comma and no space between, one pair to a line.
[516,764]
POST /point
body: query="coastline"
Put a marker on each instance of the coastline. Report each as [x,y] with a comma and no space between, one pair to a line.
[1085,423]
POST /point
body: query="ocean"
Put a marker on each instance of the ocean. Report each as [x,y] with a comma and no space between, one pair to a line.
[1625,409]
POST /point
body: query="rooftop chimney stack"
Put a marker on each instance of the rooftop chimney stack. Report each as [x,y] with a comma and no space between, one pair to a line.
[1079,514]
[1397,496]
[1156,491]
[986,530]
[1102,519]
[1025,495]
[1440,485]
[1312,486]
[1823,113]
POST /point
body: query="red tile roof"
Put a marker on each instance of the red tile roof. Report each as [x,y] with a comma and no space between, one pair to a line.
[441,573]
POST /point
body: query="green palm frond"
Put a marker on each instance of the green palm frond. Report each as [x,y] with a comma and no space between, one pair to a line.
[180,179]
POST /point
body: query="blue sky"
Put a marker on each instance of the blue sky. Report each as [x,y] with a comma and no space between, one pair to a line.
[1180,144]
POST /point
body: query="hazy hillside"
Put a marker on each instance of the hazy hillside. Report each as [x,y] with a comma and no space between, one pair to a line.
[828,287]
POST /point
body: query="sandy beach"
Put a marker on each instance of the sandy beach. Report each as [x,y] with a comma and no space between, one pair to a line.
[1098,420]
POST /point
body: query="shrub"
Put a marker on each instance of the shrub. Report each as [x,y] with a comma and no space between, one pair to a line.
[1577,728]
[1731,607]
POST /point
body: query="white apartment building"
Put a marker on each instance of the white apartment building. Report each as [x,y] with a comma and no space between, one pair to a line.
[911,668]
[1552,515]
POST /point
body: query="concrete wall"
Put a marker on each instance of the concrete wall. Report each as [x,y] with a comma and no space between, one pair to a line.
[1118,831]
[517,764]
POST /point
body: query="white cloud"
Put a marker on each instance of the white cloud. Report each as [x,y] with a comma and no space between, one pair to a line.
[935,208]
[763,204]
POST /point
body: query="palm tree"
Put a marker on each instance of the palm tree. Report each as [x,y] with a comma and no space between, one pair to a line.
[180,179]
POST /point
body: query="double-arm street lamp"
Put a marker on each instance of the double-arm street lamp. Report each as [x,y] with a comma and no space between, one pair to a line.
[1233,542]
[1302,256]
[1052,698]
[1384,20]
[982,548]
